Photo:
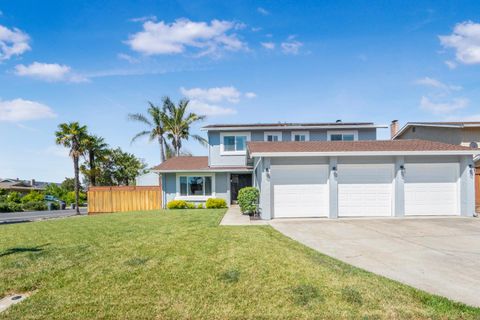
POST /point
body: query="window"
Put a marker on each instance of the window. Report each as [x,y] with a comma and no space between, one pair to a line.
[342,135]
[300,136]
[272,136]
[195,185]
[234,143]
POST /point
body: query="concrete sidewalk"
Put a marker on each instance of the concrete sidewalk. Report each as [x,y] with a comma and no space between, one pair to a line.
[234,217]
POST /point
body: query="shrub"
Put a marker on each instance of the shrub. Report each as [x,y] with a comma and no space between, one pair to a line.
[33,196]
[190,205]
[215,203]
[70,198]
[200,206]
[14,197]
[35,206]
[177,204]
[10,207]
[248,199]
[54,205]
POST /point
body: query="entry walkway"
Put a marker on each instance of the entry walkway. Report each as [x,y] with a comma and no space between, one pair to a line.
[234,217]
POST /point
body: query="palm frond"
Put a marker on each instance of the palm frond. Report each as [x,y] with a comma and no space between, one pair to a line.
[139,118]
[140,134]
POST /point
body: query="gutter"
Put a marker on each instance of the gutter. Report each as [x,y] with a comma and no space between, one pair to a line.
[364,153]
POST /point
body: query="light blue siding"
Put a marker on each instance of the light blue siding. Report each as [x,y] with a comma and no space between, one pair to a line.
[222,188]
[216,159]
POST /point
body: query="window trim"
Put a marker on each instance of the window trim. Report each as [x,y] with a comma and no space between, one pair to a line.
[193,174]
[236,134]
[342,132]
[305,133]
[272,133]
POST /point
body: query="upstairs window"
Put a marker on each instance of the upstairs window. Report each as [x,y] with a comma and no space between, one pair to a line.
[233,143]
[342,135]
[300,136]
[272,136]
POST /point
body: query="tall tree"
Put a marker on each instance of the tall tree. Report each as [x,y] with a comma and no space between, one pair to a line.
[156,127]
[95,146]
[119,168]
[177,121]
[73,136]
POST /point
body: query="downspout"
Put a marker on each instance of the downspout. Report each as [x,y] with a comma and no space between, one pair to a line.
[255,171]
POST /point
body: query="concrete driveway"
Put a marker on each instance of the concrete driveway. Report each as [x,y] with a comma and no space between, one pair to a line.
[438,255]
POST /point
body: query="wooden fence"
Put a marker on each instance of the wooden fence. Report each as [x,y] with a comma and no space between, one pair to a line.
[477,189]
[118,199]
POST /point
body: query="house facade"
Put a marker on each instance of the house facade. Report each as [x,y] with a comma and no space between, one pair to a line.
[325,170]
[462,133]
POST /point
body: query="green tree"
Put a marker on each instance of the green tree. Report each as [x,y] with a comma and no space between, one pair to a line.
[68,184]
[95,147]
[177,121]
[120,168]
[73,136]
[155,127]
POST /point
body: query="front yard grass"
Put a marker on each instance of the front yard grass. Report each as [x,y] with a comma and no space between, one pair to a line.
[181,264]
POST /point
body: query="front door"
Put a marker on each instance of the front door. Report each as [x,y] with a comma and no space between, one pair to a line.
[237,182]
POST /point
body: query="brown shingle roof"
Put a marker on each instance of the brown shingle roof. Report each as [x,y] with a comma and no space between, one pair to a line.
[447,123]
[353,146]
[192,164]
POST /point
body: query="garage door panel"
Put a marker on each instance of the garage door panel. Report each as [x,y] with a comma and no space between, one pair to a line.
[300,191]
[431,189]
[365,190]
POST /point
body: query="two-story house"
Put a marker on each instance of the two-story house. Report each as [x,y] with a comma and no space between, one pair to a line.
[324,170]
[462,133]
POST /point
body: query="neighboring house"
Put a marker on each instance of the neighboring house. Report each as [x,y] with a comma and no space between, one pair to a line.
[462,133]
[325,170]
[148,179]
[22,186]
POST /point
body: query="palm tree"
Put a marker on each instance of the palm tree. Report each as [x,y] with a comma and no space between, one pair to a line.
[95,146]
[177,123]
[156,127]
[72,135]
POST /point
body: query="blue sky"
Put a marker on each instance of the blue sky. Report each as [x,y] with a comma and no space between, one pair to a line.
[238,61]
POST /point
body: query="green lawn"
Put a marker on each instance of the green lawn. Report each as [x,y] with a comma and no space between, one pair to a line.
[181,264]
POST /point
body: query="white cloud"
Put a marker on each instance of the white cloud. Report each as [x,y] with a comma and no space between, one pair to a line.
[174,38]
[434,83]
[291,46]
[23,110]
[263,11]
[445,107]
[127,57]
[13,42]
[144,18]
[207,109]
[205,101]
[465,39]
[268,45]
[217,94]
[450,64]
[51,72]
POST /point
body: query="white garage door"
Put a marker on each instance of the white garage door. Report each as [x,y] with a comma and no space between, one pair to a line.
[431,189]
[300,191]
[365,190]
